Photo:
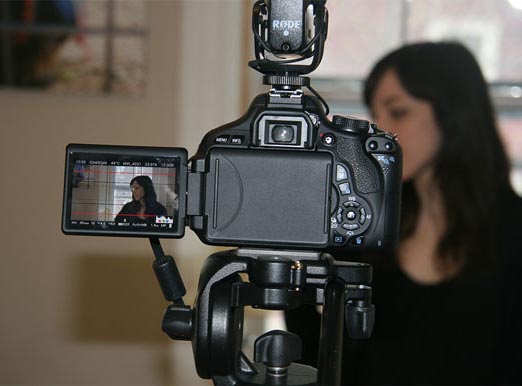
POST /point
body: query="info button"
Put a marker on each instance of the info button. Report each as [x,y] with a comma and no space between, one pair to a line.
[237,139]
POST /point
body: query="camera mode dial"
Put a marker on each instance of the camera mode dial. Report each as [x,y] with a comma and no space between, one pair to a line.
[355,125]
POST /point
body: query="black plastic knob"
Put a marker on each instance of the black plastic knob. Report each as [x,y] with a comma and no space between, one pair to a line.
[277,348]
[359,320]
[350,124]
[177,322]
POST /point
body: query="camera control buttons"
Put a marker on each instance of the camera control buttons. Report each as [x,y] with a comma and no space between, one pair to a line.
[351,219]
[381,144]
[328,139]
[339,239]
[351,215]
[342,173]
[345,188]
[350,227]
[229,139]
[339,216]
[222,139]
[358,241]
[237,139]
[362,216]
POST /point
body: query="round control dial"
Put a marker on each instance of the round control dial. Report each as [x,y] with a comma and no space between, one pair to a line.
[350,124]
[352,217]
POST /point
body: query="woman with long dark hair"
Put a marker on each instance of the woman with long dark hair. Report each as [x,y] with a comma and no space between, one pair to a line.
[144,206]
[449,300]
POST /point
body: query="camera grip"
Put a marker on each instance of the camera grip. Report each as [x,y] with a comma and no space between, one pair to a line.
[367,179]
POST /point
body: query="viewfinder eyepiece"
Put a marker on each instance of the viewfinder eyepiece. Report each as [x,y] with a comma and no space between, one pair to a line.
[292,131]
[283,133]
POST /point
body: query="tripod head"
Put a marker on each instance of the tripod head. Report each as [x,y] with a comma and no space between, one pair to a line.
[277,280]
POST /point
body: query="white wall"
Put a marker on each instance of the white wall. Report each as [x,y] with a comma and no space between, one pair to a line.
[82,310]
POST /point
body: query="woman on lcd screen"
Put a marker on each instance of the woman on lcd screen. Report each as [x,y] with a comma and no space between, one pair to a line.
[144,206]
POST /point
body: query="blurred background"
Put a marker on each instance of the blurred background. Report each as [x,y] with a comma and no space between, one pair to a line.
[87,311]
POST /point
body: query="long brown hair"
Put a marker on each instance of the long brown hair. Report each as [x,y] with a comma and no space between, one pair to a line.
[471,168]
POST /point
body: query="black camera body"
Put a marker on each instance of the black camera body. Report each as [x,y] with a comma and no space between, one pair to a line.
[285,176]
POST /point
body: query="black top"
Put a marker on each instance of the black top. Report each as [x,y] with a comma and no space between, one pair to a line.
[467,330]
[129,212]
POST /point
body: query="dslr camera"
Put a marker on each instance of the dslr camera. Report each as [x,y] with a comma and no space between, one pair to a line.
[282,176]
[284,183]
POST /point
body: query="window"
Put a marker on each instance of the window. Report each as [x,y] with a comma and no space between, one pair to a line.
[361,31]
[73,46]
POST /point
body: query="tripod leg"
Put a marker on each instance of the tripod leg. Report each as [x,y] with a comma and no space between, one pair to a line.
[331,341]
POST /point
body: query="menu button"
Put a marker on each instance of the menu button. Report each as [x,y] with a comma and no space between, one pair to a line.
[222,139]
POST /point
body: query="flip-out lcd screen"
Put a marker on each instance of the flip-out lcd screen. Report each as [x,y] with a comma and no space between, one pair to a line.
[124,190]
